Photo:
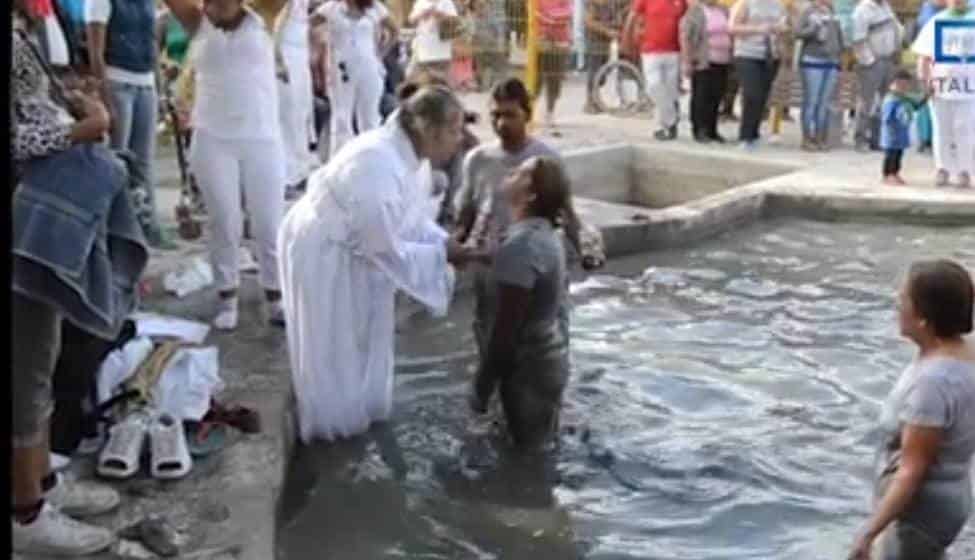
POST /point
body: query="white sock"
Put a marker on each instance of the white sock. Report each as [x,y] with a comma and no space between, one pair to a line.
[226,319]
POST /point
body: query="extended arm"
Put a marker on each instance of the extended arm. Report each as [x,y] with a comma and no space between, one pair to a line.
[592,24]
[188,12]
[465,205]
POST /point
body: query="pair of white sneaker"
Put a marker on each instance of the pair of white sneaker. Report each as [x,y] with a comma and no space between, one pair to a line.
[169,455]
[228,317]
[55,531]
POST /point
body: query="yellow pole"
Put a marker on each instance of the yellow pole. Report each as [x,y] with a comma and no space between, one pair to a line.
[531,52]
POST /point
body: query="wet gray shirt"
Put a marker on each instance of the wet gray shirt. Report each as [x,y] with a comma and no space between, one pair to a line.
[939,393]
[532,257]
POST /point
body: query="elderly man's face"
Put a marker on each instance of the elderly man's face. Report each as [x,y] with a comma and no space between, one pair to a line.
[443,143]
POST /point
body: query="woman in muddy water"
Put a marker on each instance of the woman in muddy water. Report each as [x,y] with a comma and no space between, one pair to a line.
[923,484]
[527,356]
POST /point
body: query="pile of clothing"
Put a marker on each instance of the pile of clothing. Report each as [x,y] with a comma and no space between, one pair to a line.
[147,393]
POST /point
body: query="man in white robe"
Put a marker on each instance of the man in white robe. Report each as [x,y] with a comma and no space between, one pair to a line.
[362,233]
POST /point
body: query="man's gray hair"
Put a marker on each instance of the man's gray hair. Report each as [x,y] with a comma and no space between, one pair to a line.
[431,107]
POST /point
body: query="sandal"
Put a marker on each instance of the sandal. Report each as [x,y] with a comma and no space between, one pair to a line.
[120,457]
[240,417]
[170,458]
[205,438]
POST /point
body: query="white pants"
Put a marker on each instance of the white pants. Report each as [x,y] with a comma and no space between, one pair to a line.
[953,134]
[297,114]
[221,168]
[359,94]
[662,74]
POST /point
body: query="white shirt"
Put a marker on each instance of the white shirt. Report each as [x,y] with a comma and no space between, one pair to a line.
[294,29]
[99,11]
[236,82]
[428,45]
[352,39]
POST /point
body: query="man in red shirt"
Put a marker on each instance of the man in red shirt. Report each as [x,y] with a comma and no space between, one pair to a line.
[660,55]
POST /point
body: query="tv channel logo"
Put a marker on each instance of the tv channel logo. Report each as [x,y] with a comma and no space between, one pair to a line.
[954,44]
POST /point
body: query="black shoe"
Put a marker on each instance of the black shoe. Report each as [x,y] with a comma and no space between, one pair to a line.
[717,138]
[702,139]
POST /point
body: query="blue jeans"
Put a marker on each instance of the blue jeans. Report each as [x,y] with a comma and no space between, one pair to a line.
[819,79]
[135,112]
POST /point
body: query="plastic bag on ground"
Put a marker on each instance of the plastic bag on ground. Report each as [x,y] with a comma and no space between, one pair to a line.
[198,274]
[120,365]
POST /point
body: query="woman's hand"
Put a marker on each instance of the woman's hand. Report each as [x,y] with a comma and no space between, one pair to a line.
[862,547]
[94,121]
[457,254]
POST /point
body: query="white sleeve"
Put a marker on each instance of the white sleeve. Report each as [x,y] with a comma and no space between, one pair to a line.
[381,11]
[924,43]
[448,7]
[98,11]
[417,266]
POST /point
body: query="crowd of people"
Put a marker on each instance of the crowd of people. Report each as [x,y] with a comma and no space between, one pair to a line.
[408,198]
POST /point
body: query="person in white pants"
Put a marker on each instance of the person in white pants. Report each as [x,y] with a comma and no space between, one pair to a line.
[295,95]
[236,142]
[952,88]
[355,70]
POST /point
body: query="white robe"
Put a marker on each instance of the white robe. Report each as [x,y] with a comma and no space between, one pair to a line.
[360,234]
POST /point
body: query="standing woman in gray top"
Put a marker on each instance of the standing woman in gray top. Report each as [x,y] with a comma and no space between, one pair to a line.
[527,356]
[923,472]
[822,44]
[758,27]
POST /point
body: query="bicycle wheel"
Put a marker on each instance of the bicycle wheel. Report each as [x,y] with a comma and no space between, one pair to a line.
[620,89]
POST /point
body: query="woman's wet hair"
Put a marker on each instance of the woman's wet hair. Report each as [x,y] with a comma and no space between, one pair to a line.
[430,107]
[513,90]
[943,295]
[552,189]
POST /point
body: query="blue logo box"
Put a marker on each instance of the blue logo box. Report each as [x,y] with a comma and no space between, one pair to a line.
[957,30]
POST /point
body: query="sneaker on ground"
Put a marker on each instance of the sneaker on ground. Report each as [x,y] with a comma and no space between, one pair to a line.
[275,313]
[965,181]
[226,319]
[82,499]
[59,462]
[54,533]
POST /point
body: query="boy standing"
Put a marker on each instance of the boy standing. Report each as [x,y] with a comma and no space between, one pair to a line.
[895,126]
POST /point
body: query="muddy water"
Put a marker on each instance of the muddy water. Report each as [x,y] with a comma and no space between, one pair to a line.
[721,406]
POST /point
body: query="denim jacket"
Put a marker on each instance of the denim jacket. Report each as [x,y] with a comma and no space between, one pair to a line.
[77,243]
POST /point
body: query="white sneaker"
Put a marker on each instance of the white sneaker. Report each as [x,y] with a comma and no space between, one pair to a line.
[54,533]
[170,456]
[226,319]
[275,313]
[82,499]
[59,462]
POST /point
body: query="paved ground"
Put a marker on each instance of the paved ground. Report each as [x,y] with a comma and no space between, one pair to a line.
[226,508]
